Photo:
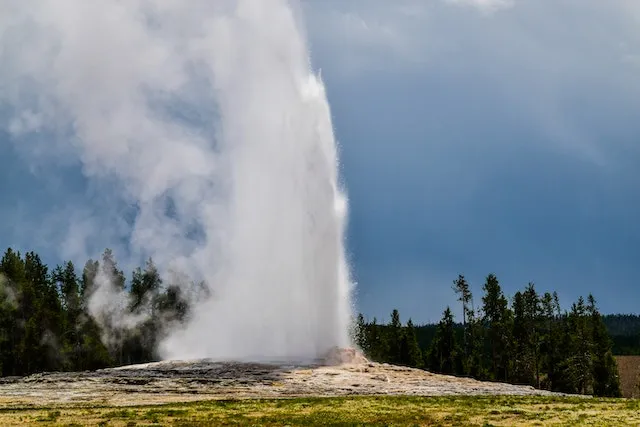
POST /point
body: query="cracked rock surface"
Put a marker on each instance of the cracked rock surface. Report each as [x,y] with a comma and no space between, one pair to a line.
[343,372]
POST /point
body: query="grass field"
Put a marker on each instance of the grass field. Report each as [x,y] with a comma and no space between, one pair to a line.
[629,369]
[400,410]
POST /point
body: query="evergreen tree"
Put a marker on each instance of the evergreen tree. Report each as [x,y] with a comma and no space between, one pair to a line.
[361,334]
[443,355]
[31,290]
[578,365]
[410,350]
[145,298]
[145,285]
[110,269]
[48,316]
[379,349]
[108,274]
[533,317]
[461,288]
[82,347]
[606,380]
[474,364]
[173,307]
[68,285]
[550,341]
[89,274]
[8,319]
[94,353]
[12,271]
[469,359]
[394,331]
[497,319]
[523,360]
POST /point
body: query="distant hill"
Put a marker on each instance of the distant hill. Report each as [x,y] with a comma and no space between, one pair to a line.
[625,333]
[622,324]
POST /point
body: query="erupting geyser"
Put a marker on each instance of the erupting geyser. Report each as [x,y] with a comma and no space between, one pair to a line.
[284,278]
[282,286]
[250,204]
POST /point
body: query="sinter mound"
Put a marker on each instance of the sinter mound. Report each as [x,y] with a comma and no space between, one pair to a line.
[341,372]
[344,356]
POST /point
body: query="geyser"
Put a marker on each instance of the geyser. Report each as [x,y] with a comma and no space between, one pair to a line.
[205,116]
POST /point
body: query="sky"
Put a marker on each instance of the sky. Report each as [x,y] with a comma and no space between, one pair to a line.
[476,136]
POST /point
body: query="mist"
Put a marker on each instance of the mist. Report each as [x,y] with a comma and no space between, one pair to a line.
[203,129]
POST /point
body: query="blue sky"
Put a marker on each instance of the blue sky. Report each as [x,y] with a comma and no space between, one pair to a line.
[476,136]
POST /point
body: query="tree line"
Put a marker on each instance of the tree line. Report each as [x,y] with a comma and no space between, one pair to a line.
[527,340]
[625,333]
[45,321]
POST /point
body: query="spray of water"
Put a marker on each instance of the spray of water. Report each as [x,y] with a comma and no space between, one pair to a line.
[204,119]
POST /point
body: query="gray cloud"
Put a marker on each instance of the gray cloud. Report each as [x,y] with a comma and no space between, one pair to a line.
[485,140]
[537,57]
[484,5]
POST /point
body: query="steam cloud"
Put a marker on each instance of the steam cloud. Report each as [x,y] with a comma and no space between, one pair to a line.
[202,121]
[7,294]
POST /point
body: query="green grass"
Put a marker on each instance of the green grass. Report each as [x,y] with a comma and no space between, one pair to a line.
[370,411]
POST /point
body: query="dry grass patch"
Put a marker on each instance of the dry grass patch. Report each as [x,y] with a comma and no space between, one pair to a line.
[629,369]
[388,410]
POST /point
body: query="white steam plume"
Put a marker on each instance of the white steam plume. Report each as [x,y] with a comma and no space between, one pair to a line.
[205,117]
[109,306]
[7,293]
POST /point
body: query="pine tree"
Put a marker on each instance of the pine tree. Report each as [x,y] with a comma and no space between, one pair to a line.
[47,318]
[411,354]
[173,308]
[394,331]
[109,267]
[378,342]
[475,365]
[71,341]
[533,316]
[12,271]
[462,289]
[94,353]
[578,366]
[497,319]
[523,360]
[8,325]
[606,380]
[443,355]
[361,334]
[87,282]
[145,285]
[550,341]
[110,275]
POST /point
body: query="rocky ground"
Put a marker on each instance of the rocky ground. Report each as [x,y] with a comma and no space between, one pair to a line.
[343,372]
